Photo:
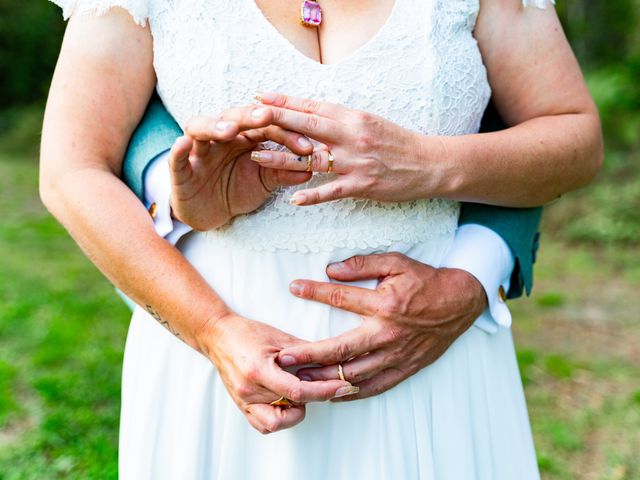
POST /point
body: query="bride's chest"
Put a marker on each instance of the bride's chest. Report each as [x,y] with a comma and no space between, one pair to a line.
[421,68]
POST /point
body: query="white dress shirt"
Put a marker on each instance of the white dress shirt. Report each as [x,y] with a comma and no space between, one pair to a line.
[476,249]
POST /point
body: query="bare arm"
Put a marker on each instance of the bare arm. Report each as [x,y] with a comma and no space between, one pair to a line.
[102,83]
[555,144]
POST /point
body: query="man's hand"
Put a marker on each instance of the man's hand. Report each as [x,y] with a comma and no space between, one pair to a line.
[410,319]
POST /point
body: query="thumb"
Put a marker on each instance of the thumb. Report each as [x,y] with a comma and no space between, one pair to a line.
[179,164]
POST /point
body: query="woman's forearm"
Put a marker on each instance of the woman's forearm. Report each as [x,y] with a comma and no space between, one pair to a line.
[116,233]
[527,165]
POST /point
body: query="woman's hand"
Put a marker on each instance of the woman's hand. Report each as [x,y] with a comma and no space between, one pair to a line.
[244,353]
[372,157]
[213,177]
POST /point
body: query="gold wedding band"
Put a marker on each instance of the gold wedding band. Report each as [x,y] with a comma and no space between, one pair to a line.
[331,159]
[308,163]
[341,373]
[282,402]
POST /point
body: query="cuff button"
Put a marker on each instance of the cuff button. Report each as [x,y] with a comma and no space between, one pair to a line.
[153,208]
[502,294]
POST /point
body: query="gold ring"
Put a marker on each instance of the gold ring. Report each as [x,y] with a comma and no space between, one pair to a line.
[282,402]
[308,163]
[341,373]
[331,159]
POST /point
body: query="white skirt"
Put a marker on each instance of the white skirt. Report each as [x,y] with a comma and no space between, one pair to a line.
[464,417]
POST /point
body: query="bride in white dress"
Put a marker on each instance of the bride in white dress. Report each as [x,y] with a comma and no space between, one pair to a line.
[415,63]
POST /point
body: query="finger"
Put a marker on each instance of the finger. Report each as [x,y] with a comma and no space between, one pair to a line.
[255,422]
[359,300]
[179,164]
[380,383]
[229,123]
[339,188]
[211,129]
[297,143]
[333,350]
[304,105]
[366,267]
[289,386]
[312,125]
[201,148]
[273,419]
[272,179]
[319,161]
[355,371]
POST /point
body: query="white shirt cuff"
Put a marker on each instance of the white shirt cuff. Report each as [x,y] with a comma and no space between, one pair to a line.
[485,255]
[157,190]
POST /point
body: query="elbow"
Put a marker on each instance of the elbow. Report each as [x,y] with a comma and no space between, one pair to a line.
[584,165]
[49,191]
[593,157]
[46,189]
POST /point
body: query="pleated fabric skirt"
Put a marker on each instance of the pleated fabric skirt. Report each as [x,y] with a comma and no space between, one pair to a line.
[464,417]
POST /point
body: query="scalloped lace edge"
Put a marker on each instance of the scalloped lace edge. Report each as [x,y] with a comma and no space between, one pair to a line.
[72,7]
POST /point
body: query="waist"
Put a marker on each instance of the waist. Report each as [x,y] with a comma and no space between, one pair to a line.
[345,224]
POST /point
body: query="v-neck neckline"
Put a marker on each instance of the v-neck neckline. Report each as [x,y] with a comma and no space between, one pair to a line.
[253,6]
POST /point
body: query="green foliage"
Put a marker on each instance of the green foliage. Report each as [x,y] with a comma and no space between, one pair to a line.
[30,37]
[559,366]
[550,299]
[616,90]
[601,32]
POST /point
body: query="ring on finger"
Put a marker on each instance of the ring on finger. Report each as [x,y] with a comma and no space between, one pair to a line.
[341,373]
[309,163]
[282,402]
[331,159]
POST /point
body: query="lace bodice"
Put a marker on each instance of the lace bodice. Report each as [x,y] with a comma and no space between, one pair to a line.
[421,70]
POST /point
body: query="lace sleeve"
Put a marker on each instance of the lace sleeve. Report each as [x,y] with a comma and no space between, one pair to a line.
[137,8]
[538,3]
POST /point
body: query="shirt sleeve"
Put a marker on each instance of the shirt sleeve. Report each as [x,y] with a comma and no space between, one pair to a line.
[485,255]
[157,191]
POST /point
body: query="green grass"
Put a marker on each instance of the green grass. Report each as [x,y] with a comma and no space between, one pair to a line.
[62,333]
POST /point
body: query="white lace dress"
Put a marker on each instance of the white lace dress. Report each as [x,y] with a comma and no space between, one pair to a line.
[463,417]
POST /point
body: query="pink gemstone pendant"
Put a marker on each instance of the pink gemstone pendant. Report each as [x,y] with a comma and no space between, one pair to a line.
[310,13]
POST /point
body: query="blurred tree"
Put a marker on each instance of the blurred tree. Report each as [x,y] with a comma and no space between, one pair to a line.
[602,32]
[30,36]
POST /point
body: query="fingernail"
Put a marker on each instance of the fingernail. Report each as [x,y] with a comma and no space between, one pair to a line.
[297,199]
[344,391]
[304,142]
[223,126]
[305,378]
[265,97]
[338,266]
[258,113]
[296,288]
[287,360]
[261,156]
